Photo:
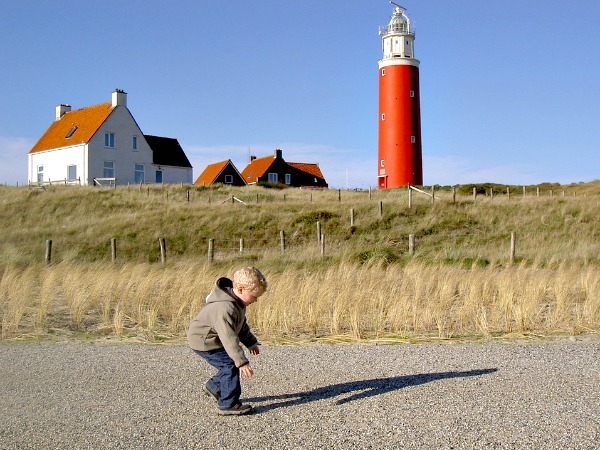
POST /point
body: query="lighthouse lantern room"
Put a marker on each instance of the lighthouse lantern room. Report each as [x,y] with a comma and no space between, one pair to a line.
[399,148]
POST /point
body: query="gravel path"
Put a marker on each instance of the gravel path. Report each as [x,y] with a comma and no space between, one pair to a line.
[507,395]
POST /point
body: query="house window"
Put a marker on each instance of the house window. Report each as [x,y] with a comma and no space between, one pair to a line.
[159,176]
[273,177]
[109,169]
[109,140]
[413,139]
[134,143]
[71,131]
[40,174]
[138,173]
[229,179]
[316,181]
[71,172]
[288,178]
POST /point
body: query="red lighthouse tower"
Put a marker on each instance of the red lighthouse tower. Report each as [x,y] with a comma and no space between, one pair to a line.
[400,160]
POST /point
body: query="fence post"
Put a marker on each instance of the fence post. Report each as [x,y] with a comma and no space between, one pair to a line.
[523,191]
[339,195]
[380,208]
[113,249]
[537,191]
[491,192]
[48,256]
[282,240]
[369,192]
[411,244]
[319,232]
[188,195]
[409,197]
[474,193]
[513,245]
[351,217]
[453,194]
[432,193]
[322,242]
[508,192]
[211,250]
[163,250]
[241,245]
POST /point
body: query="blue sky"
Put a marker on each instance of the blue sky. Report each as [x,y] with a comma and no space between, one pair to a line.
[510,89]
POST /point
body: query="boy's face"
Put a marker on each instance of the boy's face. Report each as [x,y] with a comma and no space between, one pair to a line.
[247,297]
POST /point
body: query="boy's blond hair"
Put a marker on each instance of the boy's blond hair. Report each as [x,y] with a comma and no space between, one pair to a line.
[251,279]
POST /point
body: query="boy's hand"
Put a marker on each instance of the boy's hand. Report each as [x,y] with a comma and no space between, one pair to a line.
[255,350]
[246,371]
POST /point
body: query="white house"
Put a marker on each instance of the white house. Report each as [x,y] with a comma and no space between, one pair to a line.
[103,144]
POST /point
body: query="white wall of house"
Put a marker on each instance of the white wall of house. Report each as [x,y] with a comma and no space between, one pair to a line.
[173,174]
[56,162]
[123,156]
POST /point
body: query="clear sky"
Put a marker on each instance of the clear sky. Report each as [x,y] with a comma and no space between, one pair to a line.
[510,90]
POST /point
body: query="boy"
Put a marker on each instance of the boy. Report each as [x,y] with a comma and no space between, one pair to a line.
[216,332]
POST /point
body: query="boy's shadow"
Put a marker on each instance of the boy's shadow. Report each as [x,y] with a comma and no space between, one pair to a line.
[358,389]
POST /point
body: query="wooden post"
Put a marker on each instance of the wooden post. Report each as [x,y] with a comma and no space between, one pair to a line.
[282,240]
[369,192]
[339,195]
[474,193]
[537,190]
[432,193]
[513,245]
[163,250]
[241,245]
[409,197]
[523,191]
[380,208]
[411,244]
[453,194]
[319,232]
[211,250]
[491,192]
[508,192]
[256,198]
[113,249]
[311,197]
[48,256]
[322,245]
[188,195]
[284,198]
[351,217]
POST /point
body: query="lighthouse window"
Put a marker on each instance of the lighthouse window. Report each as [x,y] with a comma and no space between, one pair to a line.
[413,139]
[383,117]
[382,72]
[412,93]
[382,162]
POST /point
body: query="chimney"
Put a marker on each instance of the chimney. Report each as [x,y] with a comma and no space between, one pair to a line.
[277,154]
[61,110]
[119,98]
[252,158]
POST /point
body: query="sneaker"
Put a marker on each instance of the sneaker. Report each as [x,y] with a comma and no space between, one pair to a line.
[208,392]
[236,410]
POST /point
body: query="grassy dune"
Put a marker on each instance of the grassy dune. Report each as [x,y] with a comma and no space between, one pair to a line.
[460,282]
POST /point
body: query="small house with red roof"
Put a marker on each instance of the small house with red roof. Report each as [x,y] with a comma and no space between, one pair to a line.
[274,169]
[103,144]
[221,172]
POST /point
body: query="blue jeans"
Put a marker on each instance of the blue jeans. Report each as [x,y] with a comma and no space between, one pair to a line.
[226,383]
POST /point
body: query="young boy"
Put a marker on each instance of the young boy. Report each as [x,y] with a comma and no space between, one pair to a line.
[216,332]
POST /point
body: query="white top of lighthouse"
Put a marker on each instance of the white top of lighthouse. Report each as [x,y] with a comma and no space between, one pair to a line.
[398,39]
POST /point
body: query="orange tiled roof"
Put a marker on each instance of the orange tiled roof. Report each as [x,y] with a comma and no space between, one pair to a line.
[87,120]
[257,168]
[211,172]
[310,168]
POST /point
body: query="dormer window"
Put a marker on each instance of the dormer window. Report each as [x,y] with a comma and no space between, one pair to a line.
[71,131]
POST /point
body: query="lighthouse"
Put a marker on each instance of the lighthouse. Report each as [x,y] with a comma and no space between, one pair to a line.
[399,147]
